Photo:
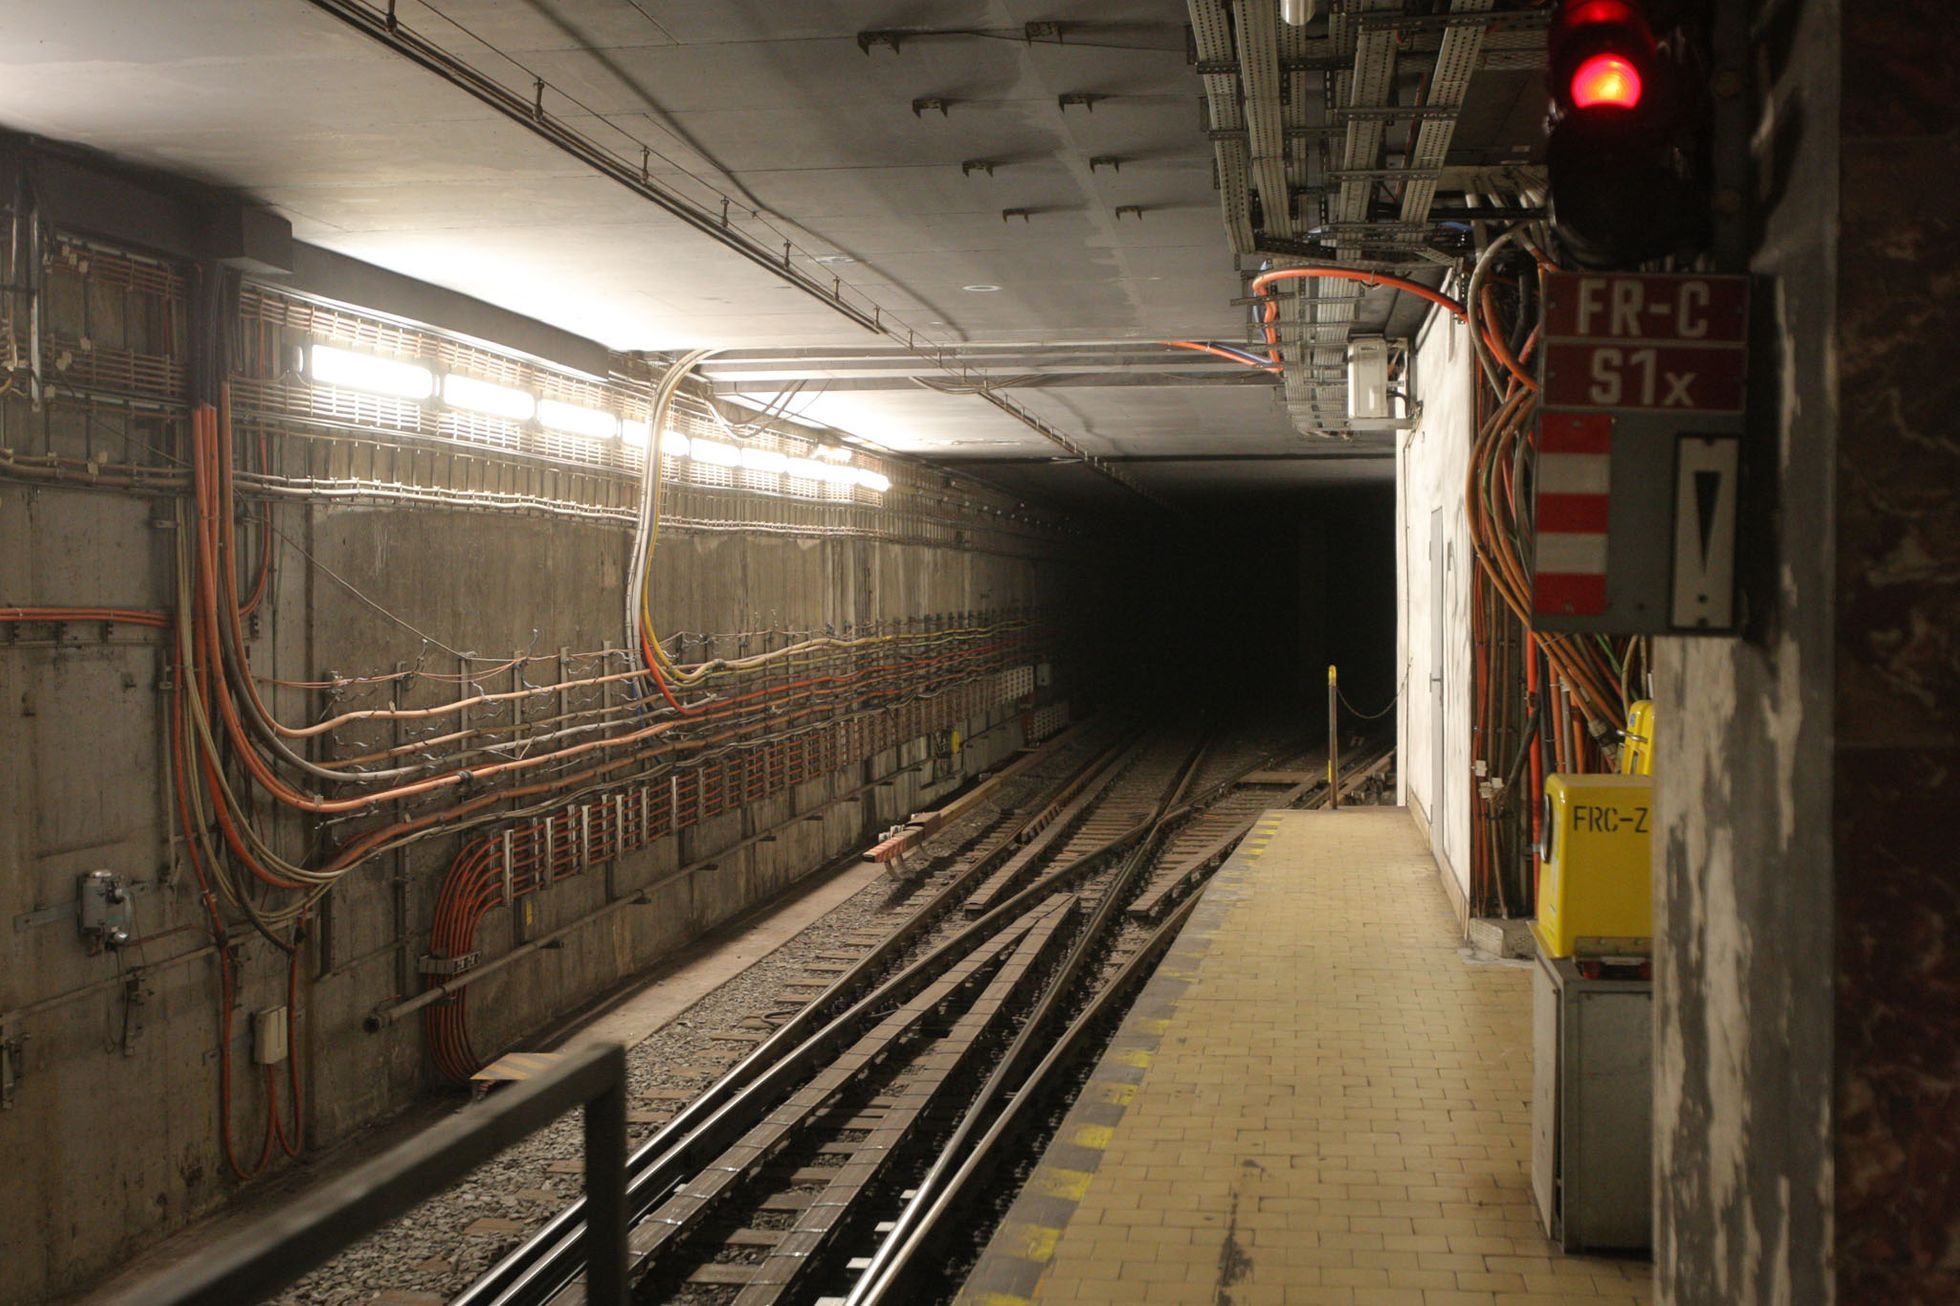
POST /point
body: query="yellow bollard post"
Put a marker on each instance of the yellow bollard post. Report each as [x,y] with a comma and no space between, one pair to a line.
[1333,741]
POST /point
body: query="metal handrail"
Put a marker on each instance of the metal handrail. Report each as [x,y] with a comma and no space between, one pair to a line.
[255,1263]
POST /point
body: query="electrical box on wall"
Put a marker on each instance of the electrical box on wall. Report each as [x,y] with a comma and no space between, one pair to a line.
[1639,453]
[269,1043]
[103,908]
[1594,886]
[1367,389]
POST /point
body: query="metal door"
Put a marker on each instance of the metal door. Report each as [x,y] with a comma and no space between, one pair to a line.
[1438,643]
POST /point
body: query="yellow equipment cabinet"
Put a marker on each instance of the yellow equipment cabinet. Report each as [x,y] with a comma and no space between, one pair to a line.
[1595,888]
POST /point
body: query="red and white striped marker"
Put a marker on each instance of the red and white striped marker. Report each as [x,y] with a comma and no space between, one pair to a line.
[1574,490]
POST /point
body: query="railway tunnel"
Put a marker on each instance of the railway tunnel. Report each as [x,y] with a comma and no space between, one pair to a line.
[1214,651]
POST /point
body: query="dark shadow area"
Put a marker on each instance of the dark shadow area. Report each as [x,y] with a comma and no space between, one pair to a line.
[1247,605]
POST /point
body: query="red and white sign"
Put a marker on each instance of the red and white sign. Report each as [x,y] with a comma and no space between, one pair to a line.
[1645,342]
[1575,470]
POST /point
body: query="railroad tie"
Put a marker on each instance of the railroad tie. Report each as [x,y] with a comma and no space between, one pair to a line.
[754,1238]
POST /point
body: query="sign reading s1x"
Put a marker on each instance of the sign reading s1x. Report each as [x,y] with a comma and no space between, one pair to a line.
[1639,453]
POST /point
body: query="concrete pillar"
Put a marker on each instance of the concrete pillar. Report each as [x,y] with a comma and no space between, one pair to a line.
[1807,1106]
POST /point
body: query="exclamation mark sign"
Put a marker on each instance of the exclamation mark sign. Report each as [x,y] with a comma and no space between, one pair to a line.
[1708,490]
[1705,474]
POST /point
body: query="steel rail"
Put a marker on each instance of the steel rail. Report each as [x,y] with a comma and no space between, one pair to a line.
[1007,1079]
[543,1258]
[1057,987]
[388,1014]
[706,1126]
[1049,828]
[899,1265]
[923,825]
[913,1249]
[1218,840]
[1008,963]
[1007,1084]
[548,1264]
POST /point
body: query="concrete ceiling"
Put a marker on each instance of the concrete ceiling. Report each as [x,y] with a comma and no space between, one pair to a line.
[773,104]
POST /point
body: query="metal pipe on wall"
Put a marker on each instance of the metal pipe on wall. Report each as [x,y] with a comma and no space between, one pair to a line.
[382,1017]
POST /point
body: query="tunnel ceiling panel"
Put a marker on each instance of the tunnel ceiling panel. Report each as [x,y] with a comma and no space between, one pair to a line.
[921,176]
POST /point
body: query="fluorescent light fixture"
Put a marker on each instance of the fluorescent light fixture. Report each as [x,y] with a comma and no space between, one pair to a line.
[487,397]
[672,445]
[832,452]
[716,454]
[810,469]
[764,460]
[376,375]
[574,420]
[871,480]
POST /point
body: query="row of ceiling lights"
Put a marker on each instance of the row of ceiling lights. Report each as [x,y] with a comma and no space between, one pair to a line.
[400,379]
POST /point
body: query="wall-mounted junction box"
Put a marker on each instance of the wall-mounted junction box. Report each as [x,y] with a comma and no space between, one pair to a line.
[12,1062]
[1367,391]
[103,909]
[269,1036]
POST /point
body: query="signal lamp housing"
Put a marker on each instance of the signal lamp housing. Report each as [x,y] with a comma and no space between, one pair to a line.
[1621,157]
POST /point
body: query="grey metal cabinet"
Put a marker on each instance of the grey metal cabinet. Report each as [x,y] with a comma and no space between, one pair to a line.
[1592,1108]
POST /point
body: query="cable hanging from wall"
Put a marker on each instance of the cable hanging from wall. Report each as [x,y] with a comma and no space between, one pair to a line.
[1543,703]
[228,746]
[272,809]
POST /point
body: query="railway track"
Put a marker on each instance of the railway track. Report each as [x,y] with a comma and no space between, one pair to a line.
[925,1254]
[807,1169]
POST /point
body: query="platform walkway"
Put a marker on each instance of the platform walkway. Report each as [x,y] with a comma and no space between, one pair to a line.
[1316,1099]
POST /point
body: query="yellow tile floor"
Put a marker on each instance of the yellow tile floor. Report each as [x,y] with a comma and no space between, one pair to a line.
[1316,1099]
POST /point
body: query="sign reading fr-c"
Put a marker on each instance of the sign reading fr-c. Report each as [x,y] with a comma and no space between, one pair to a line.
[1635,342]
[1639,452]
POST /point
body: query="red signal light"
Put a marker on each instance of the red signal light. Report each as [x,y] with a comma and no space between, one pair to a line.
[1602,56]
[1628,131]
[1606,79]
[1585,13]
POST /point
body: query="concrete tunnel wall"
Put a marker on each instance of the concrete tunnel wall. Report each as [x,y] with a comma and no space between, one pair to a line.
[703,582]
[82,734]
[112,1129]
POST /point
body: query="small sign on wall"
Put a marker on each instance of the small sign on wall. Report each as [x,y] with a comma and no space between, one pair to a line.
[1706,470]
[1639,453]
